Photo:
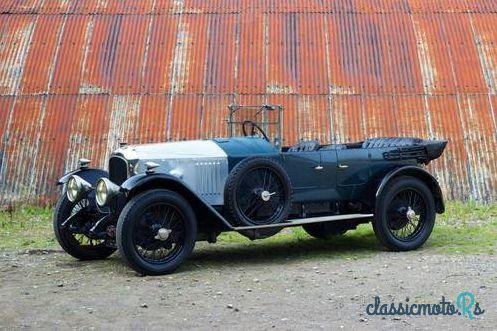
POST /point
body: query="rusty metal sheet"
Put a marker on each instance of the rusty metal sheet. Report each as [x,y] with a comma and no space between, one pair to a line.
[480,142]
[411,116]
[69,63]
[379,115]
[6,104]
[184,117]
[100,54]
[110,6]
[230,6]
[347,118]
[20,149]
[451,169]
[290,111]
[485,39]
[463,54]
[90,132]
[189,67]
[39,65]
[79,76]
[214,116]
[55,6]
[452,6]
[16,36]
[251,53]
[153,118]
[313,118]
[220,65]
[164,44]
[297,48]
[128,58]
[362,57]
[53,141]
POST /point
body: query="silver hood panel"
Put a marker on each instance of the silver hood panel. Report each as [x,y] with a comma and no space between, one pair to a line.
[177,150]
[201,164]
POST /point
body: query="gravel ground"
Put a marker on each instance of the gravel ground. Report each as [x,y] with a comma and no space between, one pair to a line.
[229,287]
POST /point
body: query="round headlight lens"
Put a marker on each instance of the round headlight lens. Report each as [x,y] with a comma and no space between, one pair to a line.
[73,189]
[101,193]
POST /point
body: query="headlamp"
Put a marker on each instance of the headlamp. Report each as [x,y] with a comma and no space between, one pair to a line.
[77,187]
[105,191]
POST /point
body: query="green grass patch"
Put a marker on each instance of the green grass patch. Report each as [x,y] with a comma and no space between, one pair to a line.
[466,228]
[26,228]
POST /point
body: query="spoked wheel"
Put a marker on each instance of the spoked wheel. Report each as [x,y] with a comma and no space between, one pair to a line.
[406,214]
[156,232]
[258,192]
[160,233]
[71,234]
[261,196]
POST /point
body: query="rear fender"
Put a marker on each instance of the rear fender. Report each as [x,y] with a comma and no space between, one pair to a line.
[420,173]
[141,183]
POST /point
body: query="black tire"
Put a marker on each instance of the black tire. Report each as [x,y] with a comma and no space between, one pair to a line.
[326,230]
[235,191]
[393,227]
[69,242]
[135,227]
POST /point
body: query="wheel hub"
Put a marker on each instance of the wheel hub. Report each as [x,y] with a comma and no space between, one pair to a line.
[265,195]
[411,215]
[162,234]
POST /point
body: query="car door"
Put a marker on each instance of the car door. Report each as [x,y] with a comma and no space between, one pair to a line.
[304,171]
[353,170]
[328,185]
[312,174]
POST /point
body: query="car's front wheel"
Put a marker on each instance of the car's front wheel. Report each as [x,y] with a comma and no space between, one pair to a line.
[405,214]
[156,232]
[71,235]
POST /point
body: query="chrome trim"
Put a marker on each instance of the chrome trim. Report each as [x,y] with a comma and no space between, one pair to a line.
[84,163]
[111,190]
[82,186]
[151,167]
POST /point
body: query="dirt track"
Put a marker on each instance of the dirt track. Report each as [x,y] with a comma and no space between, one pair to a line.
[235,287]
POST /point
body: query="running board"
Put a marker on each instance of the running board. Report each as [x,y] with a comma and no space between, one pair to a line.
[303,221]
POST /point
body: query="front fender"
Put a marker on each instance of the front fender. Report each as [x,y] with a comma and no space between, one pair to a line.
[91,175]
[144,182]
[418,172]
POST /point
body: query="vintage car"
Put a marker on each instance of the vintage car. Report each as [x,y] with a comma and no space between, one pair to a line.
[156,200]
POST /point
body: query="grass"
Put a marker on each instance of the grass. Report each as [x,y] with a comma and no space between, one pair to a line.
[465,228]
[27,228]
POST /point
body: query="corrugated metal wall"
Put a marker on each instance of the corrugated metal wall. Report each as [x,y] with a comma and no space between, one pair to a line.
[78,76]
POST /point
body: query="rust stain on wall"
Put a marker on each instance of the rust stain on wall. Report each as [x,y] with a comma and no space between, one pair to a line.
[79,76]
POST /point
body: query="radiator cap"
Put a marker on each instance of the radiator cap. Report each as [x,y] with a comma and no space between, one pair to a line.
[84,163]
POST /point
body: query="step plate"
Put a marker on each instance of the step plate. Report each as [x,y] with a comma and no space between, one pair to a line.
[303,221]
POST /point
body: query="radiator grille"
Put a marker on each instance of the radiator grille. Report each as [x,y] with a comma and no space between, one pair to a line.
[118,170]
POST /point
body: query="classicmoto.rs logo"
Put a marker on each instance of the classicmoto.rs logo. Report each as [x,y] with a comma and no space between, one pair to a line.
[465,305]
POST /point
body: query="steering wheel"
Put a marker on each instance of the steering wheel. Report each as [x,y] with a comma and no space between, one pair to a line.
[251,129]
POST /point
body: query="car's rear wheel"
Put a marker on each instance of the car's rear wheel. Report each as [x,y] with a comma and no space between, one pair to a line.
[405,214]
[71,236]
[156,232]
